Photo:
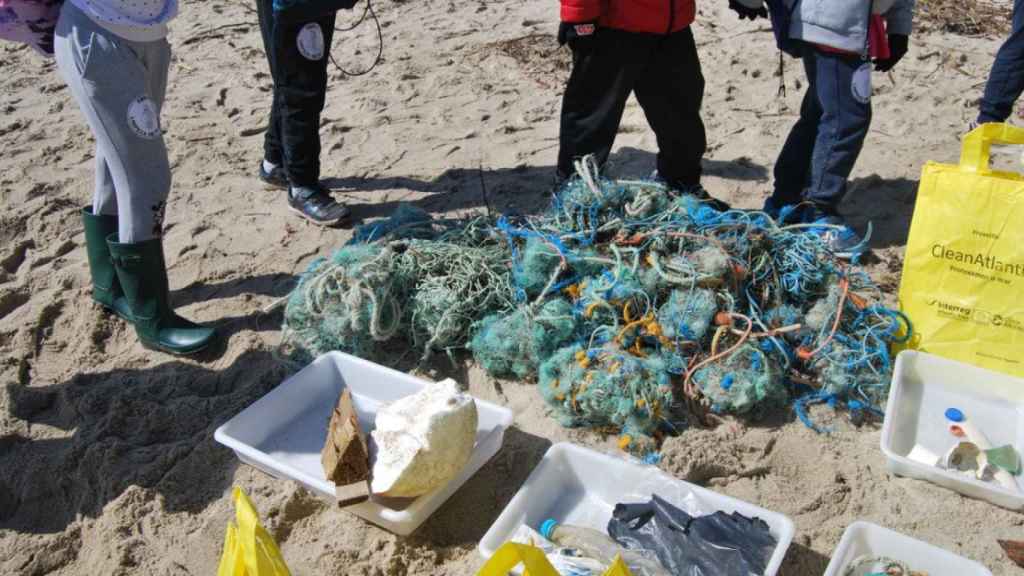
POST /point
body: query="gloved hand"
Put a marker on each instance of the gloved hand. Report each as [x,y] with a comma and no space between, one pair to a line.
[898,46]
[745,11]
[576,34]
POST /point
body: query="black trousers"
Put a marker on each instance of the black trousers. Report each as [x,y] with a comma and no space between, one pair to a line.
[298,65]
[663,71]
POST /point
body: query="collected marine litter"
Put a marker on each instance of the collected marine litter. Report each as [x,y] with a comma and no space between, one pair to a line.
[346,454]
[867,549]
[424,440]
[957,426]
[580,506]
[636,310]
[641,312]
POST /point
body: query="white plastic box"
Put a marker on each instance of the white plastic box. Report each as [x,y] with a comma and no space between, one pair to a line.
[864,538]
[578,486]
[283,433]
[923,387]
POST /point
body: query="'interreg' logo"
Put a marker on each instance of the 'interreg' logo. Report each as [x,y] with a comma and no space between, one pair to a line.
[975,315]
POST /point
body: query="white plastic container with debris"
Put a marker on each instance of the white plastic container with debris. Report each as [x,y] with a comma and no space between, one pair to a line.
[866,548]
[283,433]
[577,486]
[950,423]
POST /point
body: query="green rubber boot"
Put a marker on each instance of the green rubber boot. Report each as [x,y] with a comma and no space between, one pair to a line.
[143,276]
[106,289]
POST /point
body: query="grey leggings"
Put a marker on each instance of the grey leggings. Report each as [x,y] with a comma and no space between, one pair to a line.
[120,86]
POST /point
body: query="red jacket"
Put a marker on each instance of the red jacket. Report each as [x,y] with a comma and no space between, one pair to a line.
[655,16]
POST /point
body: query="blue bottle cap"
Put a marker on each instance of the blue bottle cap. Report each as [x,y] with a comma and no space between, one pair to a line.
[954,415]
[548,527]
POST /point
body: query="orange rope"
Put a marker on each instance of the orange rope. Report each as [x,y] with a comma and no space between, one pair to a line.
[688,385]
[803,353]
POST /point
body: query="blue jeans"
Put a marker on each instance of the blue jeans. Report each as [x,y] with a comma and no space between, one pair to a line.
[1006,80]
[823,146]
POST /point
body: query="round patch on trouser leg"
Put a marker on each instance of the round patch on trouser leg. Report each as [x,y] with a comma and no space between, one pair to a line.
[861,84]
[143,118]
[311,41]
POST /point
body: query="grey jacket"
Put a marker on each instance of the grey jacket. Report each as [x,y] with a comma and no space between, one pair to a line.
[843,24]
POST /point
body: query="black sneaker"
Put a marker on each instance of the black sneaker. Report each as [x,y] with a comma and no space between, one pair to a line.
[677,188]
[314,203]
[275,177]
[698,192]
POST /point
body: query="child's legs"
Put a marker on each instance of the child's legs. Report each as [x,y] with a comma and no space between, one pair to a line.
[793,166]
[1006,80]
[119,87]
[272,151]
[670,91]
[844,93]
[603,75]
[301,53]
[104,198]
[157,59]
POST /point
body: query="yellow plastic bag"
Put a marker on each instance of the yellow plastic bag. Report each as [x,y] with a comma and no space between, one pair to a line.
[533,560]
[249,550]
[963,273]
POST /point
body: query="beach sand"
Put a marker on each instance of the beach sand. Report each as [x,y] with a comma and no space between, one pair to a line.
[107,459]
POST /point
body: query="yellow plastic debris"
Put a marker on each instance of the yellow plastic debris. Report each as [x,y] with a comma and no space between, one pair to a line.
[249,550]
[533,560]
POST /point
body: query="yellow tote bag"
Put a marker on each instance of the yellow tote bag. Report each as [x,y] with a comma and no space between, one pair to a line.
[534,562]
[963,273]
[249,550]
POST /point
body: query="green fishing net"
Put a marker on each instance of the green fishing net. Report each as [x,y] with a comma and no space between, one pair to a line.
[607,388]
[632,305]
[746,379]
[688,314]
[515,344]
[351,303]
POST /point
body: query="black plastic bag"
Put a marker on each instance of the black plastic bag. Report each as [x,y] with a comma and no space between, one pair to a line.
[717,544]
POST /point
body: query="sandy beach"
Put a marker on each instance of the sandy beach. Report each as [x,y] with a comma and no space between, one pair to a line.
[107,459]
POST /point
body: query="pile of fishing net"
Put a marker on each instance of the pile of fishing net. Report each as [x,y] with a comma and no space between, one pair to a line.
[636,310]
[391,284]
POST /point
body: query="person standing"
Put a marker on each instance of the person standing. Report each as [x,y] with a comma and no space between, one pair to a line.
[1006,80]
[645,48]
[837,41]
[115,57]
[297,44]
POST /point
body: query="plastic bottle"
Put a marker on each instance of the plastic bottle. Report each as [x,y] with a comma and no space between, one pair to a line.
[599,546]
[590,543]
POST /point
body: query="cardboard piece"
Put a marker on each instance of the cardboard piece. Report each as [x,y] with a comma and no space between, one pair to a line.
[345,456]
[351,494]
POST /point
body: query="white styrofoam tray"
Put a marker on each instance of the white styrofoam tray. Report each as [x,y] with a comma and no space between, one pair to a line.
[923,387]
[864,538]
[283,433]
[578,486]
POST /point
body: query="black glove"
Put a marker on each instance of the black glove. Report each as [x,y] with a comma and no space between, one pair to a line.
[576,34]
[745,12]
[898,46]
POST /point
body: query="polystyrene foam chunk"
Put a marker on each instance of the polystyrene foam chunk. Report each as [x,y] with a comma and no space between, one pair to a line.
[423,440]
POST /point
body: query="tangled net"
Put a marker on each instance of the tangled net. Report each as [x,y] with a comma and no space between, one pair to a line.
[401,287]
[637,310]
